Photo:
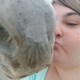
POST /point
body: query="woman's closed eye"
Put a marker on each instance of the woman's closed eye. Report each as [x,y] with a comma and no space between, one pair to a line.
[71,23]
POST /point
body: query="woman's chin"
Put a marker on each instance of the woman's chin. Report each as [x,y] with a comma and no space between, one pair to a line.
[56,54]
[57,57]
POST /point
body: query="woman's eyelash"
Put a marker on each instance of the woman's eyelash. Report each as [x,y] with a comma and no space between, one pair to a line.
[72,24]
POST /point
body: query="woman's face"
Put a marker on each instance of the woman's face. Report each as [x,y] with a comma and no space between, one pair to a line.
[67,37]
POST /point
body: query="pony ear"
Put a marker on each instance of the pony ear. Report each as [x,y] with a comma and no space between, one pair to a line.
[26,36]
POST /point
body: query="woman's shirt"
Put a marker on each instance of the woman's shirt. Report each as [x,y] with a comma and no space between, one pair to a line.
[37,76]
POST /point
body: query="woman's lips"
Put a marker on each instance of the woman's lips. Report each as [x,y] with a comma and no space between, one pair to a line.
[56,45]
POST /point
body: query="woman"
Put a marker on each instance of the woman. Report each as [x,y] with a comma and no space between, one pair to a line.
[66,60]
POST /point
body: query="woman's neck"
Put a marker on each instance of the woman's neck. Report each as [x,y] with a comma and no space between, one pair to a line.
[68,74]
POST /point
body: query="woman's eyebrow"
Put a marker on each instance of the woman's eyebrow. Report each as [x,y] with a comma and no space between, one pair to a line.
[71,13]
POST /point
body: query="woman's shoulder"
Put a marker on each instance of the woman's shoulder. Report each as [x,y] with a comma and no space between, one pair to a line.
[37,76]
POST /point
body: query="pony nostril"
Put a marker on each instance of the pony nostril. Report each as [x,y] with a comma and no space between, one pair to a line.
[3,34]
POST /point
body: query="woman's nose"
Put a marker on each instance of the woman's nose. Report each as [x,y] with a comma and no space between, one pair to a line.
[58,31]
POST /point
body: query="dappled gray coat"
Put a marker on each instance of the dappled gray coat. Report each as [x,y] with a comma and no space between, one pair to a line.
[26,36]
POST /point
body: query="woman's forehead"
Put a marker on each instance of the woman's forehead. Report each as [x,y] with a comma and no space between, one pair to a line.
[63,11]
[60,7]
[72,4]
